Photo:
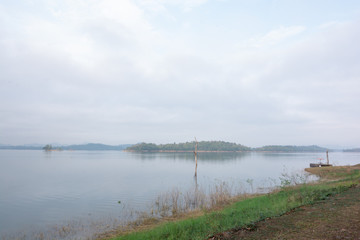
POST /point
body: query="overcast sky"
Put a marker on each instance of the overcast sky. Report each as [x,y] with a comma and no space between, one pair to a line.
[254,72]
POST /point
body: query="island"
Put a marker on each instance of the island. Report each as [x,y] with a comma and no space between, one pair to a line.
[219,146]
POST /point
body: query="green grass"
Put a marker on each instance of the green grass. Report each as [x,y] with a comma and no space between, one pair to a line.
[245,213]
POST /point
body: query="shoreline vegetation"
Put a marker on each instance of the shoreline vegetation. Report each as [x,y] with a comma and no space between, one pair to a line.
[203,146]
[243,211]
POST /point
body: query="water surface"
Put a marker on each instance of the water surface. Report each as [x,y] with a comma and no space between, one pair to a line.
[40,189]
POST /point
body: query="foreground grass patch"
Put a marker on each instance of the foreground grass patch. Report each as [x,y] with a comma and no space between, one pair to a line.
[246,212]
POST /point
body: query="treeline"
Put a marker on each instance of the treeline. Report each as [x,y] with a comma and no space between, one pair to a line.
[88,147]
[352,150]
[20,147]
[189,146]
[96,147]
[220,146]
[85,147]
[49,147]
[280,148]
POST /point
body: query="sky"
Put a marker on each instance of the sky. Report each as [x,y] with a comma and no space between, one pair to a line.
[254,72]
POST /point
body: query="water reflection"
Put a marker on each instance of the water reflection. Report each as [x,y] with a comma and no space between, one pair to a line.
[189,156]
[274,155]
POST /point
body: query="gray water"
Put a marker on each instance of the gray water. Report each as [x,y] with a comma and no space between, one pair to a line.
[41,189]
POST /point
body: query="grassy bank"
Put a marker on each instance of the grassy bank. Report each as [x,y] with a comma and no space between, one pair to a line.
[247,212]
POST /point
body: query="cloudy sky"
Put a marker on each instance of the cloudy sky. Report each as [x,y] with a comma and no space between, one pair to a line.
[255,72]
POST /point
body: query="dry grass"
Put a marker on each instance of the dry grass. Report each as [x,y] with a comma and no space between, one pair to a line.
[176,205]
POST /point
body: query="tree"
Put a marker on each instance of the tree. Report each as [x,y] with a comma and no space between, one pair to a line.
[48,147]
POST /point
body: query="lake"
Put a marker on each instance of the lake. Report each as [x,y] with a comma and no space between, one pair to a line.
[41,189]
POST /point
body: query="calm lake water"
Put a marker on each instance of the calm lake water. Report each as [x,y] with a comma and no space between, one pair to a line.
[41,189]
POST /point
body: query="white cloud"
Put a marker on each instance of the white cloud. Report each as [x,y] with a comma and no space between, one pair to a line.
[160,5]
[85,32]
[276,36]
[102,69]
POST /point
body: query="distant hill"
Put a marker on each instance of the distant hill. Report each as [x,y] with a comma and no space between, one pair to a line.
[88,147]
[189,147]
[95,146]
[20,147]
[352,150]
[280,148]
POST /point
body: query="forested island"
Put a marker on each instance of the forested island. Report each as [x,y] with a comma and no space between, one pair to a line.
[219,146]
[205,146]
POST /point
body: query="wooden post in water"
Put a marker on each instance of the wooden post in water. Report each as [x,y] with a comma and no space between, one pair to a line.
[195,153]
[196,191]
[327,157]
[195,176]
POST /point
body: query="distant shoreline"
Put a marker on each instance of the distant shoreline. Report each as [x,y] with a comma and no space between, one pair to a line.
[80,147]
[199,151]
[188,147]
[168,151]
